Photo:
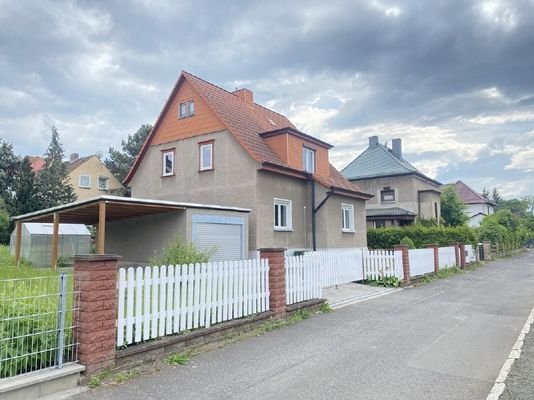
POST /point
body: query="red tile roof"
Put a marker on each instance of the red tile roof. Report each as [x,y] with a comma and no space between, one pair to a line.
[37,163]
[246,122]
[468,195]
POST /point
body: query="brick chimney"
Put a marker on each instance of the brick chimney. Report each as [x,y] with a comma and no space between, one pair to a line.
[246,95]
[396,148]
[373,142]
[74,157]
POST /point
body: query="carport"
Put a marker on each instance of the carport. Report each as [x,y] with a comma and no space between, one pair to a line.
[100,210]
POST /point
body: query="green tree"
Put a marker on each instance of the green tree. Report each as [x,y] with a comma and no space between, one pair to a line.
[453,210]
[9,165]
[26,196]
[120,161]
[496,197]
[5,225]
[52,183]
[486,194]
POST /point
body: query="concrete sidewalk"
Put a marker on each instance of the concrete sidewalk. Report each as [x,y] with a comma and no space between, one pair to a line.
[444,340]
[352,293]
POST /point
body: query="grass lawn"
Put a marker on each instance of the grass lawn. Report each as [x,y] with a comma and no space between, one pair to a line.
[8,269]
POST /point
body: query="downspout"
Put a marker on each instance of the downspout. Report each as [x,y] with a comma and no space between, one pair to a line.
[316,209]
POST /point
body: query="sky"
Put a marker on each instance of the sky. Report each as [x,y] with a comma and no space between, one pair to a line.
[453,78]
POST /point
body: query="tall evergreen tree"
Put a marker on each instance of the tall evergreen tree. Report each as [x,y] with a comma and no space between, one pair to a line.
[9,165]
[53,186]
[26,196]
[120,161]
[496,197]
[486,194]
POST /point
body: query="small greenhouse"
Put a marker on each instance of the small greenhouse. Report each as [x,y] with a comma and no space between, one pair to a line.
[36,243]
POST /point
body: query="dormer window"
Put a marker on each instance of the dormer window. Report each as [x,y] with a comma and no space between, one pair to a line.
[387,195]
[186,109]
[308,158]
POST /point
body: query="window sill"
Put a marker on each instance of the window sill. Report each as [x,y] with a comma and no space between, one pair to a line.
[84,187]
[388,202]
[206,170]
[187,116]
[167,176]
[283,229]
[348,231]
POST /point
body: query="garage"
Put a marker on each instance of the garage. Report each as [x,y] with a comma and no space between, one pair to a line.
[224,234]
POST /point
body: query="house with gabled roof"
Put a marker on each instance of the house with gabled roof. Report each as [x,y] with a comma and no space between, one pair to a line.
[90,177]
[210,145]
[477,207]
[401,192]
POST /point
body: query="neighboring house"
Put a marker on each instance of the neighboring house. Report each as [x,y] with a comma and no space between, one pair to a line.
[214,146]
[90,177]
[401,191]
[477,206]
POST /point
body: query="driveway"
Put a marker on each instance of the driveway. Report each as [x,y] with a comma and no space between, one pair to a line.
[445,340]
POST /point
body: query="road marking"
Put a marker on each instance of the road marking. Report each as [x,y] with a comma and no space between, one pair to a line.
[500,382]
[344,303]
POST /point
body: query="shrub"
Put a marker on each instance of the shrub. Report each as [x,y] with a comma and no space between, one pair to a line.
[408,242]
[180,252]
[386,238]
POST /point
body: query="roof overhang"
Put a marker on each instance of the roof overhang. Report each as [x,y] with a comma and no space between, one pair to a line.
[87,211]
[296,133]
[420,176]
[295,173]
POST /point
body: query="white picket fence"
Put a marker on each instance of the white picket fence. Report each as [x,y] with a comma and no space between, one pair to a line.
[159,301]
[303,278]
[382,263]
[470,255]
[421,261]
[339,267]
[447,257]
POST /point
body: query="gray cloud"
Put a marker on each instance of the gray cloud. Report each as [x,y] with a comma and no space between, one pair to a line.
[453,78]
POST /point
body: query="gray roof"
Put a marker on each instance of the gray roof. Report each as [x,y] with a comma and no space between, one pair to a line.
[390,211]
[379,161]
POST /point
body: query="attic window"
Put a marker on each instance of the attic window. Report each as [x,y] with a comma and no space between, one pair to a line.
[308,158]
[186,109]
[103,183]
[387,196]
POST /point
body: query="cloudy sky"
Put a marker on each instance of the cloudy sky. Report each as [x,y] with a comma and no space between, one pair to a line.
[453,78]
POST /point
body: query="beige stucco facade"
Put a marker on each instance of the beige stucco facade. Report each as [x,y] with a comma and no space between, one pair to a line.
[237,181]
[94,168]
[412,193]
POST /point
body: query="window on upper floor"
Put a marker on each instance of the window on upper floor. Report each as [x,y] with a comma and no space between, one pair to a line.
[84,181]
[387,195]
[282,215]
[167,157]
[206,156]
[103,183]
[347,218]
[308,158]
[186,109]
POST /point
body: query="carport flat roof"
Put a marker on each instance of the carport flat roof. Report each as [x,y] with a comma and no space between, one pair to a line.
[87,211]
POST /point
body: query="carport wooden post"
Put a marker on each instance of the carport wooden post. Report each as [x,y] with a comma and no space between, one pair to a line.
[55,242]
[18,239]
[100,248]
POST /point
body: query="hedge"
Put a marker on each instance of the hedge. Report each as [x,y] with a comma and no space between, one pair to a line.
[386,238]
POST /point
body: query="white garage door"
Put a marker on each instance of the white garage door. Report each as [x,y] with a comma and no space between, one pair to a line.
[227,239]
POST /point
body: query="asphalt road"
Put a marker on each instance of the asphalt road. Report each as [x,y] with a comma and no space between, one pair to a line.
[445,340]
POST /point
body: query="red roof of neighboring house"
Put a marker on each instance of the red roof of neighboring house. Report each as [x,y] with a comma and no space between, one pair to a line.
[37,163]
[246,121]
[468,195]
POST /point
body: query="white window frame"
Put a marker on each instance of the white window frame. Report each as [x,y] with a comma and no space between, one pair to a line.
[104,179]
[164,164]
[88,186]
[347,208]
[188,108]
[202,166]
[288,204]
[308,155]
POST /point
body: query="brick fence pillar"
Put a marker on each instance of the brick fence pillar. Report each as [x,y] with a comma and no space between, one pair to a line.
[277,279]
[435,247]
[462,255]
[95,278]
[405,261]
[457,253]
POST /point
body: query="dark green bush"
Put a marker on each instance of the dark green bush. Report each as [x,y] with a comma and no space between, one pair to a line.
[386,238]
[408,242]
